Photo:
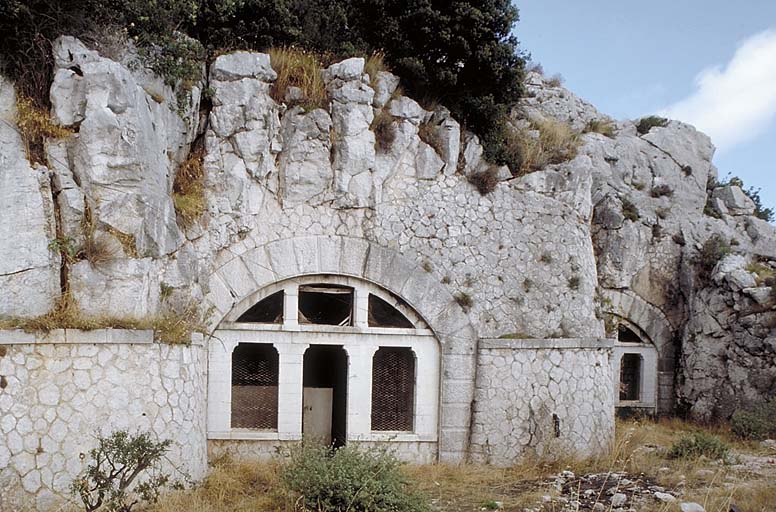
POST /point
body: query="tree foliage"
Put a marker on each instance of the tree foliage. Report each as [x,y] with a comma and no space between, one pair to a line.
[461,54]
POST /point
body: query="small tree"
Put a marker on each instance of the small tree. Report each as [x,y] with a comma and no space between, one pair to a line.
[116,463]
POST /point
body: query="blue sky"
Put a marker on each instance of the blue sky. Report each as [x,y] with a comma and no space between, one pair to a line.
[708,62]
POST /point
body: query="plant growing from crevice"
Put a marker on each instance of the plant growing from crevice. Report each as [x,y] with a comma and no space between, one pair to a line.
[547,142]
[384,130]
[645,124]
[714,249]
[486,181]
[188,189]
[302,69]
[428,133]
[629,210]
[605,127]
[464,300]
[661,191]
[574,282]
[124,470]
[35,126]
[374,65]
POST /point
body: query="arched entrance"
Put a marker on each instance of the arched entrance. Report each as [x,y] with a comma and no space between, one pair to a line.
[356,364]
[643,354]
[245,275]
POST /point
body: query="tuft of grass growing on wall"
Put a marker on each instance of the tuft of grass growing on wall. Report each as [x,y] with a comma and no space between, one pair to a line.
[603,126]
[384,130]
[96,249]
[645,124]
[302,69]
[65,314]
[661,190]
[464,300]
[188,189]
[763,272]
[429,135]
[35,125]
[485,182]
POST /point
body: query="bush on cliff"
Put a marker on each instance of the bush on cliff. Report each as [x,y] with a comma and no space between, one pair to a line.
[460,53]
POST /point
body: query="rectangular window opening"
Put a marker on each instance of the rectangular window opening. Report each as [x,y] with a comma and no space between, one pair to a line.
[326,304]
[630,377]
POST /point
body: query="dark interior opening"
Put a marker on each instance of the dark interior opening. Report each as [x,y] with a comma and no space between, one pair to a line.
[630,377]
[393,389]
[383,314]
[326,304]
[255,386]
[326,366]
[269,310]
[626,335]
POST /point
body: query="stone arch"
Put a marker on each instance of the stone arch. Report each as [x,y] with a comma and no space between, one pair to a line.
[653,325]
[240,279]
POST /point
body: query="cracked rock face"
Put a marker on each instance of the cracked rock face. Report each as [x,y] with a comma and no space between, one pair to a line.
[29,271]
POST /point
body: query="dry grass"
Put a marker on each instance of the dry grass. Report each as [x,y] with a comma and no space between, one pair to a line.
[35,125]
[385,131]
[188,189]
[603,126]
[429,134]
[127,241]
[556,143]
[638,449]
[302,69]
[764,273]
[97,249]
[485,181]
[234,487]
[65,314]
[375,63]
[171,328]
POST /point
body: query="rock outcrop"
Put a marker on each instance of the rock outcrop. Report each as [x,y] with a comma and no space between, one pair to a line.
[629,213]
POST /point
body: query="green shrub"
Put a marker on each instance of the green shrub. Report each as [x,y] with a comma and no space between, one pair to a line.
[712,251]
[699,444]
[349,479]
[116,463]
[758,422]
[649,122]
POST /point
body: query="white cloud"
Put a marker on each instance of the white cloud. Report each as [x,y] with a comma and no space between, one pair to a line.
[738,102]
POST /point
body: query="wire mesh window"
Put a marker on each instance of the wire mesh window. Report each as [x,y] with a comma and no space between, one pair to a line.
[630,377]
[393,389]
[326,304]
[255,386]
[269,310]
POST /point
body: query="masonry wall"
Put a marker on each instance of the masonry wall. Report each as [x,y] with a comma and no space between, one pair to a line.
[548,397]
[58,392]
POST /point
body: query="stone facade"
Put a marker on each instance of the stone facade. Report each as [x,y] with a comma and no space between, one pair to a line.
[543,397]
[61,391]
[554,260]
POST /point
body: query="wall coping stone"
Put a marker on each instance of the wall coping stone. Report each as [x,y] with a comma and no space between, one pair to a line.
[75,336]
[545,343]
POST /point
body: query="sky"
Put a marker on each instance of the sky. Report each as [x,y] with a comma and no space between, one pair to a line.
[710,63]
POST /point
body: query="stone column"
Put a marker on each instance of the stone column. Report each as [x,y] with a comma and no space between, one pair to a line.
[359,404]
[290,389]
[219,389]
[291,306]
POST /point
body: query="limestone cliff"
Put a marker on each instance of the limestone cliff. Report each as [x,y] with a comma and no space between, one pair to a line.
[614,231]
